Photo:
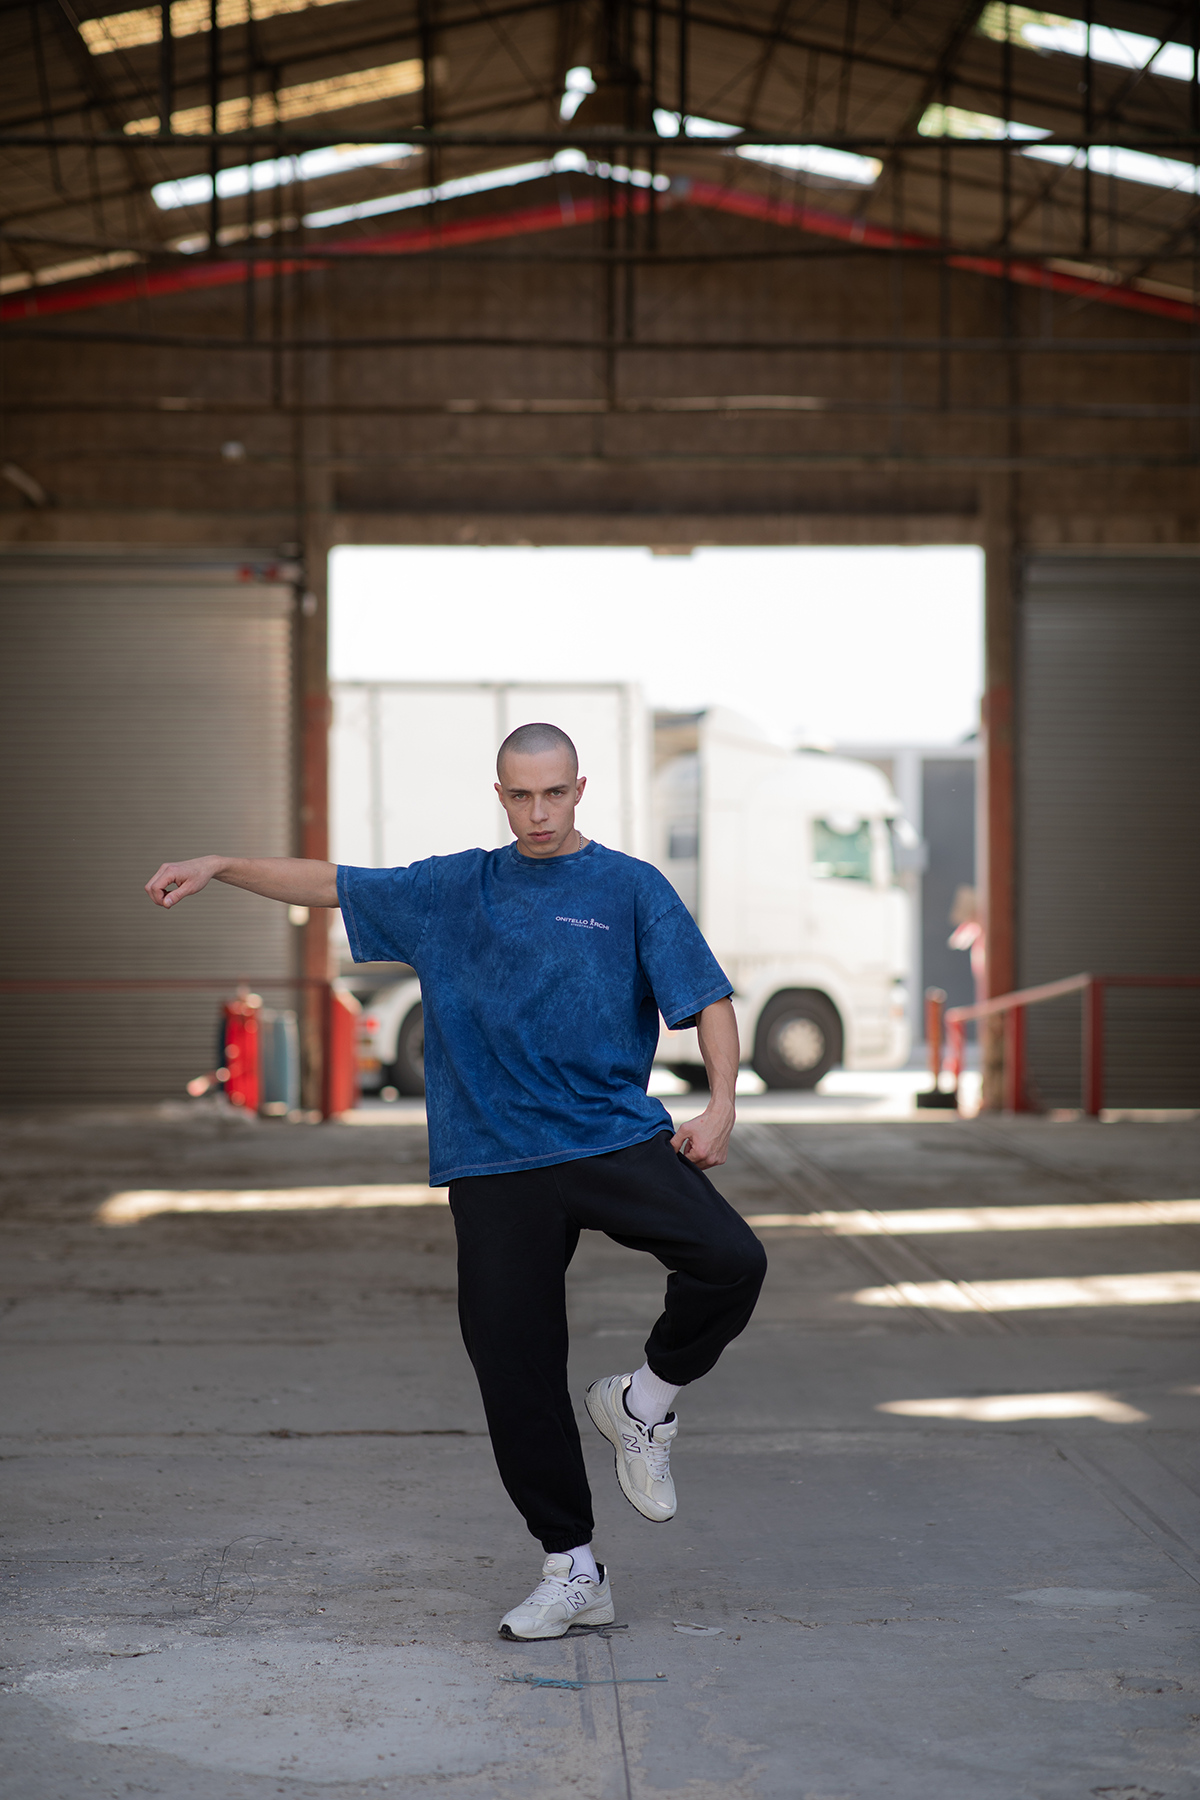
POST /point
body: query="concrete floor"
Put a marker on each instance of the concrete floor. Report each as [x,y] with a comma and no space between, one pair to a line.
[254,1544]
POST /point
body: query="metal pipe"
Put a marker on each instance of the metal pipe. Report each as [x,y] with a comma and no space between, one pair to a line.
[945,232]
[652,212]
[1093,1048]
[214,104]
[1086,110]
[166,70]
[935,1007]
[1014,1060]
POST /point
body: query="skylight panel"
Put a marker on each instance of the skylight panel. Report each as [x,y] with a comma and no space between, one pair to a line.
[1127,165]
[1101,159]
[797,159]
[958,121]
[312,165]
[816,159]
[126,30]
[359,88]
[562,162]
[1050,32]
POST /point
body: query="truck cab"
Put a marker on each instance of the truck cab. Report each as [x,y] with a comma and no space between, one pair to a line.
[785,860]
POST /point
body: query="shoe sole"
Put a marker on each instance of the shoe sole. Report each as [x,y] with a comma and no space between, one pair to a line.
[604,1426]
[595,1616]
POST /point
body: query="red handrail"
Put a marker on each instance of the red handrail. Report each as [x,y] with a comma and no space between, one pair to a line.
[1013,1005]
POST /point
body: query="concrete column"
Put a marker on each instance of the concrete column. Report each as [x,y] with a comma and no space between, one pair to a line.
[996,795]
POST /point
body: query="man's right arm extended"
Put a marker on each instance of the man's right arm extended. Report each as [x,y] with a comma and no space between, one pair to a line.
[293,879]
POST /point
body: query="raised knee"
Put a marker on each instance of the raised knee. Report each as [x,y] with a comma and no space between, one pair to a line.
[752,1262]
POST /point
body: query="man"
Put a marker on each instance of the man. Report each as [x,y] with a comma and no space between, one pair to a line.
[544,967]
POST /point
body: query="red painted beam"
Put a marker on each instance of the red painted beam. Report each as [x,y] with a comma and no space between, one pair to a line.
[858,231]
[112,290]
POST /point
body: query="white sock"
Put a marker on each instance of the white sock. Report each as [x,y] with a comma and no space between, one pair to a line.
[648,1397]
[584,1563]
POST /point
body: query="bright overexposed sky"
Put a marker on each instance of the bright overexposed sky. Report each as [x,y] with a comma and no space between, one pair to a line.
[853,645]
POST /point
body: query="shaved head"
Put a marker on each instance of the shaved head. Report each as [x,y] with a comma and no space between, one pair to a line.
[534,740]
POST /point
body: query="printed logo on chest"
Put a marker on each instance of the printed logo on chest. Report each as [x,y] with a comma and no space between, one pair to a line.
[580,924]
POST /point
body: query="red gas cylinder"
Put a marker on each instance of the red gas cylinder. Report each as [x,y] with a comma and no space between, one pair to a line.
[341,1053]
[239,1029]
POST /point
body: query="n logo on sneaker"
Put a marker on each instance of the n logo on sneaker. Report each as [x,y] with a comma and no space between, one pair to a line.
[631,1444]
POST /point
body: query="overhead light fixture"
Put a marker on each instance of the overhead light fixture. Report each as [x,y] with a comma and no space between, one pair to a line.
[244,113]
[577,85]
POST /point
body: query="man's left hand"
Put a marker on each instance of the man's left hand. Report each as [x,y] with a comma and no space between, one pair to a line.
[705,1141]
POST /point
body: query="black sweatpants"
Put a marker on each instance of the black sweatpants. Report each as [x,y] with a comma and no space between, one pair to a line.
[516,1235]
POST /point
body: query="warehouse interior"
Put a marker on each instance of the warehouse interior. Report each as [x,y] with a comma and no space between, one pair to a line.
[279,276]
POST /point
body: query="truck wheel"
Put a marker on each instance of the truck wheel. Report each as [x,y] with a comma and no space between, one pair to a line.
[407,1073]
[799,1039]
[696,1078]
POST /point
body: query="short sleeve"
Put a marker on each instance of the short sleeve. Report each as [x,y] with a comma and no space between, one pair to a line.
[385,910]
[683,973]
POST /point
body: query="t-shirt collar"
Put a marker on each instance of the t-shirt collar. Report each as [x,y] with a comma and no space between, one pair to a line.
[550,862]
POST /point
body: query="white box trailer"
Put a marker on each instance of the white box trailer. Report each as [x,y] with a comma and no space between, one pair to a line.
[412,764]
[411,771]
[784,858]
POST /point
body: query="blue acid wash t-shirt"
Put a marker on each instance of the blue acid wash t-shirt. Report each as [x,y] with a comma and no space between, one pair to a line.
[542,982]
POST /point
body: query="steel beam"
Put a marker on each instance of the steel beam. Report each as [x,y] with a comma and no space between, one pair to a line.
[839,346]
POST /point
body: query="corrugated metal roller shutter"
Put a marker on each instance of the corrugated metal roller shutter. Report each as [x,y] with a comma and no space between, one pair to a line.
[145,713]
[1108,846]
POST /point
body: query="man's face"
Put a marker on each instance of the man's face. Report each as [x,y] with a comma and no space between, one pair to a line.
[539,794]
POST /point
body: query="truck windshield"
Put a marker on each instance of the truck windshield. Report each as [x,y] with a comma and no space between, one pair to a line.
[841,854]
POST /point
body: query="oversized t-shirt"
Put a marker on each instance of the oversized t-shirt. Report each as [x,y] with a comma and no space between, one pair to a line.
[542,981]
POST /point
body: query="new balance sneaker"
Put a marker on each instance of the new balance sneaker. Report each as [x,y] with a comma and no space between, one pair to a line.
[643,1452]
[559,1601]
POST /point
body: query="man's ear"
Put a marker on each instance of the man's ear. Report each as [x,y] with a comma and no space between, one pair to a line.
[580,784]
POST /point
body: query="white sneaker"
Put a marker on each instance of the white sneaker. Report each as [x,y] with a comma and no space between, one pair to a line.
[643,1452]
[559,1601]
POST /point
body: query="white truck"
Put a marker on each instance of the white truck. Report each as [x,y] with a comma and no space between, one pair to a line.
[784,858]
